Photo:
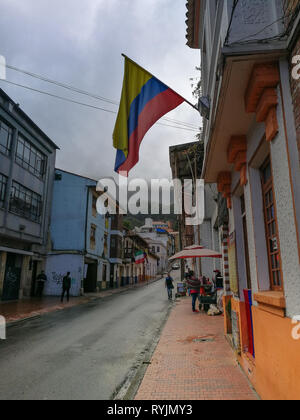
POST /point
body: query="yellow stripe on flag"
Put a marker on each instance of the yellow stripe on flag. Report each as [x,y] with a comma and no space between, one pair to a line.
[134,80]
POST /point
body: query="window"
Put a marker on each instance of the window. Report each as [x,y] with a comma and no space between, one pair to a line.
[5,138]
[158,249]
[107,221]
[3,182]
[271,226]
[245,231]
[93,237]
[25,202]
[94,206]
[30,158]
[104,273]
[105,245]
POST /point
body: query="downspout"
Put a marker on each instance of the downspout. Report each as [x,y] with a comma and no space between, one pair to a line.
[86,220]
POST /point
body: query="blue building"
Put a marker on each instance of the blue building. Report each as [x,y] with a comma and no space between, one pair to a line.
[80,237]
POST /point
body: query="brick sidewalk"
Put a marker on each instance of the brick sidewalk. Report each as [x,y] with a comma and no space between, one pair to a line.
[184,368]
[29,308]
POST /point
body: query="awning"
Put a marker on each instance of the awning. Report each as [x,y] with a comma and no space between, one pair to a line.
[196,253]
[188,248]
[231,118]
[16,251]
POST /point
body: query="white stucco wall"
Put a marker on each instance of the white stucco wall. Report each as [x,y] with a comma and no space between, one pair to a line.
[57,267]
[286,218]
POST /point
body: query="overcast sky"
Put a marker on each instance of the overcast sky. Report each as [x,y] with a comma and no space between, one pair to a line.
[80,43]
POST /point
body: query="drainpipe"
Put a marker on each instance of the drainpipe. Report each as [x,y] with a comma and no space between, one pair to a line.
[85,234]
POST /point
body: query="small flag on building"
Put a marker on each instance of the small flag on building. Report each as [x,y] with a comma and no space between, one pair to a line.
[145,99]
[140,257]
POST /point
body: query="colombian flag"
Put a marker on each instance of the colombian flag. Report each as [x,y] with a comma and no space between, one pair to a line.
[144,101]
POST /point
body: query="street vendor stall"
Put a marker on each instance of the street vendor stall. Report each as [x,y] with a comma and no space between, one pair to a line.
[208,292]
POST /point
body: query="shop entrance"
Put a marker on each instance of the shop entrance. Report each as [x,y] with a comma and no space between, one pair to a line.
[90,282]
[111,276]
[12,277]
[33,279]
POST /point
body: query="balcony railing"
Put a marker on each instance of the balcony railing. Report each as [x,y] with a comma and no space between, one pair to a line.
[128,253]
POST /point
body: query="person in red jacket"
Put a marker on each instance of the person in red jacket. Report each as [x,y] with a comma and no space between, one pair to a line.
[194,284]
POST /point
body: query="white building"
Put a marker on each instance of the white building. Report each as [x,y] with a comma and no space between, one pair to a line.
[158,240]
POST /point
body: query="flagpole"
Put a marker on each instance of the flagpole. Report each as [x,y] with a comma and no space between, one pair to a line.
[185,100]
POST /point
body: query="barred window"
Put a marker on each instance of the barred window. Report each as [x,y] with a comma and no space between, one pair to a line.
[30,158]
[25,202]
[5,138]
[3,182]
[93,236]
[272,236]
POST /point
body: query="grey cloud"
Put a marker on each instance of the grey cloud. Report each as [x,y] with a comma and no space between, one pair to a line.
[81,43]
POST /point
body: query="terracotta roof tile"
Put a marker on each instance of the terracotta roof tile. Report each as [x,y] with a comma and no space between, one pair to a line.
[193,9]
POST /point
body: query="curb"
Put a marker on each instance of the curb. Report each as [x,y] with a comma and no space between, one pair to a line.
[37,315]
[128,389]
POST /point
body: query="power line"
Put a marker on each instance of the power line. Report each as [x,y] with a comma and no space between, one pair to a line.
[235,4]
[246,39]
[84,104]
[63,85]
[57,96]
[91,95]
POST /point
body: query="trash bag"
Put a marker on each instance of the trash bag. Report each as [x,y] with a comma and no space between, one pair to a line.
[213,311]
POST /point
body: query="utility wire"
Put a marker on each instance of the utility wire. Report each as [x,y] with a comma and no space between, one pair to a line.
[60,84]
[235,4]
[261,31]
[84,104]
[56,96]
[91,95]
[246,39]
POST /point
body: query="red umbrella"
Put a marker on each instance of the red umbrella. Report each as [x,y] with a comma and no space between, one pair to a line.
[196,253]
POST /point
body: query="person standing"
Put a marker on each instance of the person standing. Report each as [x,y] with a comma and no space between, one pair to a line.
[218,279]
[169,286]
[194,285]
[41,280]
[66,287]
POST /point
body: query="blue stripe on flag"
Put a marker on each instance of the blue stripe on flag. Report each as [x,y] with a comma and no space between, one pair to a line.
[151,89]
[120,159]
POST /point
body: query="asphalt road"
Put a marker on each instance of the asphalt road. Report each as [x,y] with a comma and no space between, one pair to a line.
[85,352]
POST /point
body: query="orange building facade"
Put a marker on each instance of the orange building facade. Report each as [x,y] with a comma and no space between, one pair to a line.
[251,140]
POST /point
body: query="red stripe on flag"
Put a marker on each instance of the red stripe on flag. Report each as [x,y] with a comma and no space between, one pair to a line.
[153,111]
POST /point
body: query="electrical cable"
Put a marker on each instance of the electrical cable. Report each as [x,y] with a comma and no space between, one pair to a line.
[84,104]
[91,95]
[246,39]
[236,2]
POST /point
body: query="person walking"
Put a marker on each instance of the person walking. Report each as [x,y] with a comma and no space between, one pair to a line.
[66,287]
[169,286]
[194,284]
[41,280]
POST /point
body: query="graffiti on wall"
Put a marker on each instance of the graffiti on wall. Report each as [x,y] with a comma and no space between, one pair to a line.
[57,268]
[57,278]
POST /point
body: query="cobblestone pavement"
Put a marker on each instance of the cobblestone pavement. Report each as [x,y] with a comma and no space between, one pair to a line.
[193,361]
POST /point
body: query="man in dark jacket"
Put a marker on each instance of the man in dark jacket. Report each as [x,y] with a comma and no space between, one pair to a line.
[66,287]
[169,286]
[194,286]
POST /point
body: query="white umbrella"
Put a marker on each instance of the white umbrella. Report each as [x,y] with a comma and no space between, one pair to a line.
[188,248]
[196,253]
